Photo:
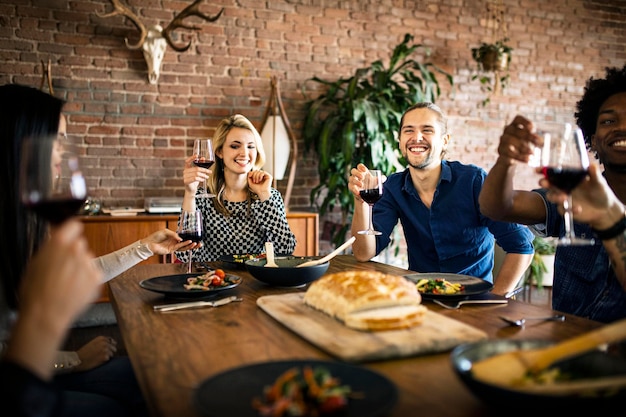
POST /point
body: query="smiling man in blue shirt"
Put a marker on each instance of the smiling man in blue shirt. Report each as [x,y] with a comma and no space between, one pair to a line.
[436,202]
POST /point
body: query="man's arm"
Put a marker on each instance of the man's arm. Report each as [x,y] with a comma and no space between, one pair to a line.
[364,247]
[498,199]
[513,268]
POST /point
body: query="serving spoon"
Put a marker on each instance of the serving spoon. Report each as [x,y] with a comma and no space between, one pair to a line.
[269,254]
[330,256]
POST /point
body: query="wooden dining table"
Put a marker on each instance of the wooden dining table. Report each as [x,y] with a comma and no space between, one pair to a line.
[172,353]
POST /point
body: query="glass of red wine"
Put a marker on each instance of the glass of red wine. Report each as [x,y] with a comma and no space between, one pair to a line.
[204,158]
[564,162]
[51,182]
[190,228]
[372,192]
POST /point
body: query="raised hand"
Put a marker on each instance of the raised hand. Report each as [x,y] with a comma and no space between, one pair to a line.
[355,182]
[518,140]
[592,199]
[260,183]
[193,175]
[58,284]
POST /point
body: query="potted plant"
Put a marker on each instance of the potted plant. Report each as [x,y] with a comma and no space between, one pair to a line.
[357,119]
[493,61]
[541,267]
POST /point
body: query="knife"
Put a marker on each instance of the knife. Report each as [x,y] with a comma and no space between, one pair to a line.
[197,304]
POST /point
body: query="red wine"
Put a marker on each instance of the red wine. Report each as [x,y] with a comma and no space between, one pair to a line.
[565,179]
[56,211]
[194,237]
[370,196]
[203,163]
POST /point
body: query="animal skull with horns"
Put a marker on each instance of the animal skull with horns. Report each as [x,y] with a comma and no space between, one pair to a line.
[154,40]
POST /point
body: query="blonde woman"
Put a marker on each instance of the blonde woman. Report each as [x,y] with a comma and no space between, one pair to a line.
[247,211]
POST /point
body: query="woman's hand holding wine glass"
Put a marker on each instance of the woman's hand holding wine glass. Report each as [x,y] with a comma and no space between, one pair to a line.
[51,182]
[190,228]
[204,158]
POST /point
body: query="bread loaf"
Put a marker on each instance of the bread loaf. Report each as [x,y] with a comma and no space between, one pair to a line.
[367,300]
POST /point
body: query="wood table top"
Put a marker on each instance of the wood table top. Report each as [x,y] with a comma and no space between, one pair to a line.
[173,352]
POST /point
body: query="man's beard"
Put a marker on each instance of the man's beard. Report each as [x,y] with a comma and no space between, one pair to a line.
[421,165]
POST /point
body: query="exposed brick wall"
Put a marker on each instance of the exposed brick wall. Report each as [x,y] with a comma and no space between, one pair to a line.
[136,135]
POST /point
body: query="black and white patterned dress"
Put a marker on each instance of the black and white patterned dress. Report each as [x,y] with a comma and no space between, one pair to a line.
[240,232]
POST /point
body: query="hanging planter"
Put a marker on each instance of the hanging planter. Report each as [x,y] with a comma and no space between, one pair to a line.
[493,61]
[493,56]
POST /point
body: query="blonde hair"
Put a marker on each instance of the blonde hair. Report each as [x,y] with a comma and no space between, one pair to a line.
[217,183]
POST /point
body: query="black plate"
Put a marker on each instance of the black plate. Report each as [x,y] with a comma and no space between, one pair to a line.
[172,286]
[231,393]
[473,285]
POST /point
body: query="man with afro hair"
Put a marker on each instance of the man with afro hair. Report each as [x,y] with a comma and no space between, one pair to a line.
[589,281]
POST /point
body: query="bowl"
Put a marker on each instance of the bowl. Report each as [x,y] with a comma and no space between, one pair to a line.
[287,275]
[591,366]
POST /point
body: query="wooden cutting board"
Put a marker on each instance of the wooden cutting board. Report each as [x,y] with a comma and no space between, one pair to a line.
[436,334]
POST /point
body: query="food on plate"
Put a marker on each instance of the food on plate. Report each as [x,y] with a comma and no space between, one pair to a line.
[308,392]
[367,300]
[209,281]
[549,376]
[242,258]
[438,286]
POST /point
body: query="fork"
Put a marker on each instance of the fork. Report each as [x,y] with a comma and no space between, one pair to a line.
[196,304]
[522,322]
[458,304]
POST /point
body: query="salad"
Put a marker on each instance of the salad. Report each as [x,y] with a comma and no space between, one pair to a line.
[209,281]
[307,392]
[439,286]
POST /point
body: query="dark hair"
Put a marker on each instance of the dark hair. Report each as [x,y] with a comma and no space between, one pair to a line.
[24,112]
[597,91]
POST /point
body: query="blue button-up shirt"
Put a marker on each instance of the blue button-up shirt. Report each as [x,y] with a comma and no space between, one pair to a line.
[452,235]
[584,281]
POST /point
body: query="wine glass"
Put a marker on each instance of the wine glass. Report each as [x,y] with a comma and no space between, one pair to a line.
[51,183]
[190,228]
[564,162]
[204,158]
[372,192]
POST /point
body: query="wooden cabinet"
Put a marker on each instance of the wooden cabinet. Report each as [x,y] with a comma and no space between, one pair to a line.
[106,234]
[305,226]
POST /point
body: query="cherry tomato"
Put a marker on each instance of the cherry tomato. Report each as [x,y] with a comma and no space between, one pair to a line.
[220,273]
[333,404]
[216,281]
